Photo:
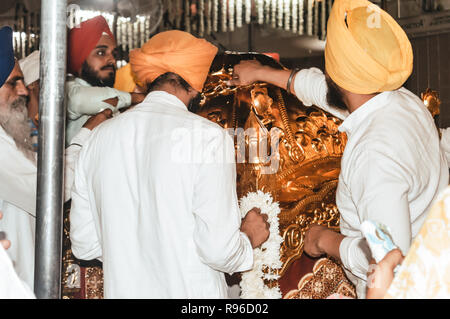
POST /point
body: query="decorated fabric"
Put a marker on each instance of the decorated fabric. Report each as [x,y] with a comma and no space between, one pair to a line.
[6,54]
[177,52]
[326,281]
[83,39]
[30,67]
[366,50]
[425,272]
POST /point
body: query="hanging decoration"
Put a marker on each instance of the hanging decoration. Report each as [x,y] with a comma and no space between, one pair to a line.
[201,27]
[309,21]
[287,14]
[239,13]
[294,16]
[231,15]
[215,15]
[259,12]
[248,11]
[323,19]
[199,17]
[208,17]
[316,19]
[301,6]
[224,15]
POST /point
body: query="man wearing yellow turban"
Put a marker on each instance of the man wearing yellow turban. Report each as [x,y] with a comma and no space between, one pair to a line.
[155,189]
[392,168]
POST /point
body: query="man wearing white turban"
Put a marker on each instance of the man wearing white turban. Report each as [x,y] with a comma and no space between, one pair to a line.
[392,168]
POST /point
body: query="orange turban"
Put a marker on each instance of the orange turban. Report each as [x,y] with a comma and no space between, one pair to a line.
[83,39]
[125,79]
[177,52]
[366,50]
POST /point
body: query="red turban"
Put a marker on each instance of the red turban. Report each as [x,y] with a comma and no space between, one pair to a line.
[83,39]
[174,51]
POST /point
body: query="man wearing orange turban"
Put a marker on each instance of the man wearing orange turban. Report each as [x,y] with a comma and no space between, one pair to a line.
[155,188]
[92,61]
[392,168]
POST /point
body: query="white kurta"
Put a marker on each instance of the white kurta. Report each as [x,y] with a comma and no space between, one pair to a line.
[18,200]
[11,286]
[165,223]
[392,169]
[445,143]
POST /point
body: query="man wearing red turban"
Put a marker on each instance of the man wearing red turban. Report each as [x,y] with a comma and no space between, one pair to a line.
[92,61]
[155,188]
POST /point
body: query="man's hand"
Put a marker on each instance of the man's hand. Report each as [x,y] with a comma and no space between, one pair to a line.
[246,72]
[320,240]
[380,275]
[250,71]
[4,242]
[97,119]
[256,227]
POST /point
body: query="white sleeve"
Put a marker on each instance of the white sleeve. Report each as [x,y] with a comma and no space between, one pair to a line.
[72,153]
[83,234]
[310,87]
[445,143]
[219,241]
[379,189]
[89,100]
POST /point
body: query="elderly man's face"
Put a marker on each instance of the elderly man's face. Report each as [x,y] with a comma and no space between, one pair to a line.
[99,69]
[14,113]
[13,88]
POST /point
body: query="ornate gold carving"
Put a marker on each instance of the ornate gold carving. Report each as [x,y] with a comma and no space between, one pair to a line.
[310,147]
[432,102]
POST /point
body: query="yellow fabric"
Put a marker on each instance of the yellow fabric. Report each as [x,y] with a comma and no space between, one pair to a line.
[125,79]
[366,50]
[174,51]
[425,272]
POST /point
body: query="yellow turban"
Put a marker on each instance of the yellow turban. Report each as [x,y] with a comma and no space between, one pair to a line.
[177,52]
[125,79]
[366,50]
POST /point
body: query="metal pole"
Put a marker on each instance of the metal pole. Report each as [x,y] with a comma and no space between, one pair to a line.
[51,150]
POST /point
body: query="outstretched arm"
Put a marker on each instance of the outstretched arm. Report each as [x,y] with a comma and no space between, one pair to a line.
[309,85]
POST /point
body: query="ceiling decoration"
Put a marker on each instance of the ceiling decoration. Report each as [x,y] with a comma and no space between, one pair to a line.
[133,22]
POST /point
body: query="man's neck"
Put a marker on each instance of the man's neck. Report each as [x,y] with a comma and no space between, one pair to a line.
[176,91]
[355,101]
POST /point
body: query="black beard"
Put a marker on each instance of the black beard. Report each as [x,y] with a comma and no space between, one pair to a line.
[91,76]
[194,103]
[334,95]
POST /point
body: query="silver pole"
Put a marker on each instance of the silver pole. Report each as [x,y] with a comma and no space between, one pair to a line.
[51,150]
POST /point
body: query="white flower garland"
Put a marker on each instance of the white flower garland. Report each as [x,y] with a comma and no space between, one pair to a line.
[268,255]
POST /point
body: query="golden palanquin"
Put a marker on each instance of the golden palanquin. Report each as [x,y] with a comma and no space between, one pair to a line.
[303,180]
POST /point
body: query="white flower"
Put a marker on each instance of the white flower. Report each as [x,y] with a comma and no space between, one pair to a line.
[268,256]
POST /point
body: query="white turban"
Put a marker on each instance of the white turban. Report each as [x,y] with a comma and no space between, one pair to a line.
[30,67]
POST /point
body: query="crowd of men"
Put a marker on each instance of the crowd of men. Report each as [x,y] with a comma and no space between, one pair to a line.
[170,228]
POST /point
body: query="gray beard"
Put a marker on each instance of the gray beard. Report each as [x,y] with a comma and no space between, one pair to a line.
[14,120]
